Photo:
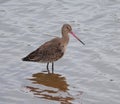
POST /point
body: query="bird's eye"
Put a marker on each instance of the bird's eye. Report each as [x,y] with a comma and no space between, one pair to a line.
[68,28]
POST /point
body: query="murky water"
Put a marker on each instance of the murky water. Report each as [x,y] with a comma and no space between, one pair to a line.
[87,74]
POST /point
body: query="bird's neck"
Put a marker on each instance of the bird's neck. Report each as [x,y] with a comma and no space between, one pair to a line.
[65,38]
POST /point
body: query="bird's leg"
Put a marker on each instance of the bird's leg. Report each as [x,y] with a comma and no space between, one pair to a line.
[52,67]
[48,67]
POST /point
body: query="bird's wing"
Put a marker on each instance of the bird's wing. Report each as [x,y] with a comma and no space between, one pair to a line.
[48,50]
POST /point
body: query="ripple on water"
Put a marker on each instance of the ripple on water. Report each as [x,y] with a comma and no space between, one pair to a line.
[86,74]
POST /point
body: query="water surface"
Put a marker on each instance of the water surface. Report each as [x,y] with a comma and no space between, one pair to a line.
[87,74]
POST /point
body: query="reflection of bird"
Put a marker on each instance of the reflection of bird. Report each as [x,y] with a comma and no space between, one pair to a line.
[51,80]
[50,86]
[52,50]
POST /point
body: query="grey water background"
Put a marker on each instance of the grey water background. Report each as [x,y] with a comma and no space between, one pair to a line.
[87,74]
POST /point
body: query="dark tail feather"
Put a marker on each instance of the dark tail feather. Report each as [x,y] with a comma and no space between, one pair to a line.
[26,59]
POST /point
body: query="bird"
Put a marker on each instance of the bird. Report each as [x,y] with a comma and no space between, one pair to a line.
[52,50]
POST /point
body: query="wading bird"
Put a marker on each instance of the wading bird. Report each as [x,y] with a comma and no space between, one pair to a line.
[52,50]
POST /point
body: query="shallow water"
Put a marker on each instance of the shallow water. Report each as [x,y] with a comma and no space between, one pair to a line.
[87,74]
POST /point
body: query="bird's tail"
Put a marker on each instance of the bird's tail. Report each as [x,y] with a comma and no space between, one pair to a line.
[25,59]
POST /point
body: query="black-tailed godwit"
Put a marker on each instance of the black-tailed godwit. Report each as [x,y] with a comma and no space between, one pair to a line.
[52,50]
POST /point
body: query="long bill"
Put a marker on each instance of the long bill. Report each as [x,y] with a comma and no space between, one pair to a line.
[77,38]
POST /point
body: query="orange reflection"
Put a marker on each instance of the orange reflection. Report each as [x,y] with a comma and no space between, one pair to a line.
[51,87]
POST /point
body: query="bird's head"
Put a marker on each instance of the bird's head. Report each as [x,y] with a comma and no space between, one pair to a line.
[68,29]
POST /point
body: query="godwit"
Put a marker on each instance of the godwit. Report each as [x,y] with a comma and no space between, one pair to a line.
[52,50]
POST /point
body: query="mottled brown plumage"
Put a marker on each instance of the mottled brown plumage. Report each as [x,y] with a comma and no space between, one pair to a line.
[52,50]
[48,52]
